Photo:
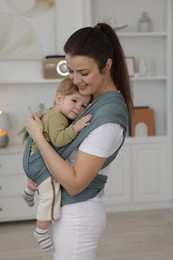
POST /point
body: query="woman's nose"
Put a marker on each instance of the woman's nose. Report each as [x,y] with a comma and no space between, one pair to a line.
[76,79]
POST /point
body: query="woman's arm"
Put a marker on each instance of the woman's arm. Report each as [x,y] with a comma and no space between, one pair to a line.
[73,178]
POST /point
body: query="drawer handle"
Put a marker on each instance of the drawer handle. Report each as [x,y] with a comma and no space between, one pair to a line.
[0,209]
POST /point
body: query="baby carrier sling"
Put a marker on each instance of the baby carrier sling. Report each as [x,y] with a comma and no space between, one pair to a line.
[110,107]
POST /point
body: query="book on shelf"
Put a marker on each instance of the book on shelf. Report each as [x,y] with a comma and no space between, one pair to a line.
[142,122]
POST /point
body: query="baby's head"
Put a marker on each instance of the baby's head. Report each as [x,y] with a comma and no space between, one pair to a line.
[69,101]
[67,87]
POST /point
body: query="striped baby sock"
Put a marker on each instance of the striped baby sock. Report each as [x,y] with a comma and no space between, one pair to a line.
[28,196]
[43,239]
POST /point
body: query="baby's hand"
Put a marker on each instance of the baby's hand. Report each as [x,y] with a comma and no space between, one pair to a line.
[34,126]
[31,185]
[81,123]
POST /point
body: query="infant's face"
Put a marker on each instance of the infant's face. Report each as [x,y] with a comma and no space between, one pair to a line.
[73,105]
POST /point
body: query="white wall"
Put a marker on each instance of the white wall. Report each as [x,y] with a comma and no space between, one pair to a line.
[70,16]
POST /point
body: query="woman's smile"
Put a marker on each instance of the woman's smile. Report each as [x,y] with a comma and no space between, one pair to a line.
[82,86]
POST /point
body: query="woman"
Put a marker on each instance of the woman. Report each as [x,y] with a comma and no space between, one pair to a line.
[96,64]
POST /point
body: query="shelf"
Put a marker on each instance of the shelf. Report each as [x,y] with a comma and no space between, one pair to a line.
[12,148]
[148,139]
[29,81]
[54,81]
[15,148]
[32,73]
[149,78]
[138,34]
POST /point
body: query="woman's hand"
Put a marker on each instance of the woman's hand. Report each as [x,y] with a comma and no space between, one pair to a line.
[34,126]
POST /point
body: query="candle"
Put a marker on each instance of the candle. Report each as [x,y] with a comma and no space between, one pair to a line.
[3,132]
[4,126]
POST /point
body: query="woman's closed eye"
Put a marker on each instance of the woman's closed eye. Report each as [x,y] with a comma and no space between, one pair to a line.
[82,72]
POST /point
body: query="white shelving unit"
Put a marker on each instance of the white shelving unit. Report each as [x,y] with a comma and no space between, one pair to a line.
[141,177]
[154,46]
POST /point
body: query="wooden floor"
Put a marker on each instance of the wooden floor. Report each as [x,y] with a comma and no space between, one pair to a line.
[143,235]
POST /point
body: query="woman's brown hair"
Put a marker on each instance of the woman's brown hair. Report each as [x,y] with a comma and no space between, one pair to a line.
[101,43]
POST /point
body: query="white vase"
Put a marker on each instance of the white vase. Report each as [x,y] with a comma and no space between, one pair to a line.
[143,68]
[144,24]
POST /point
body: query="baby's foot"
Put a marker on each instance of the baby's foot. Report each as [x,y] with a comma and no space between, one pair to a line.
[43,239]
[29,198]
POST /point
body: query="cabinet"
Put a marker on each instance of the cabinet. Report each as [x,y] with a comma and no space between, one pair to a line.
[141,176]
[12,184]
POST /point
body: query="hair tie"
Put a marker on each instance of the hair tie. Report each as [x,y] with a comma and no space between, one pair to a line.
[98,27]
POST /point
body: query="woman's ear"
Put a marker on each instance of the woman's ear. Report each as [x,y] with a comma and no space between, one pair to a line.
[58,98]
[108,65]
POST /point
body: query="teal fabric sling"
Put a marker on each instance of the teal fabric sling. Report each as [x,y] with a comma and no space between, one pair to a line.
[110,107]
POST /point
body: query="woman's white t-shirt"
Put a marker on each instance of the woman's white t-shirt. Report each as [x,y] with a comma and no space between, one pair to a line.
[102,141]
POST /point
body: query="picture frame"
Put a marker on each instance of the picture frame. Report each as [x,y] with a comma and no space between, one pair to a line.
[142,122]
[130,61]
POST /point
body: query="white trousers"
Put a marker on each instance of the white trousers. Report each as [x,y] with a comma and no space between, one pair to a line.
[77,233]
